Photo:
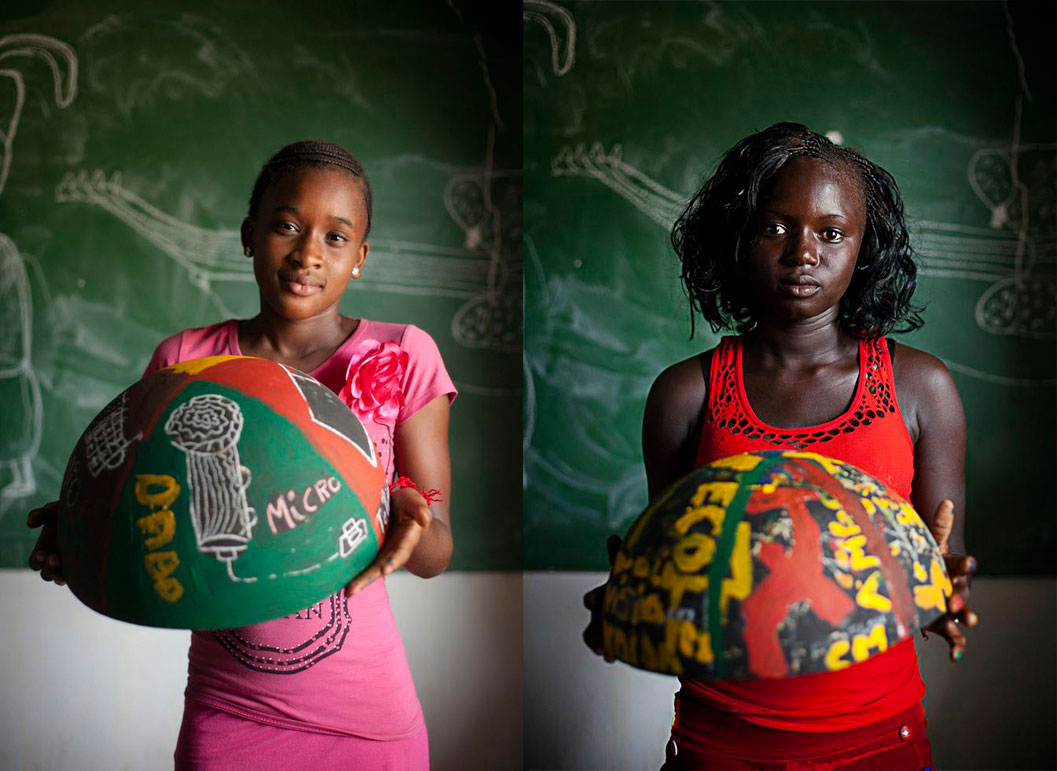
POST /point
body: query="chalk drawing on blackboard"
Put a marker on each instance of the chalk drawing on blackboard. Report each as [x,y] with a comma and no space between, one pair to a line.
[1022,304]
[560,27]
[648,196]
[215,255]
[492,319]
[1019,299]
[529,423]
[62,61]
[19,389]
[19,386]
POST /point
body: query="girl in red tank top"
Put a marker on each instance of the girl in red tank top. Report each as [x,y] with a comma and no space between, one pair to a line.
[801,247]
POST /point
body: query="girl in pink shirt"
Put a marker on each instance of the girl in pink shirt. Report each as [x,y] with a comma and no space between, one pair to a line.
[329,686]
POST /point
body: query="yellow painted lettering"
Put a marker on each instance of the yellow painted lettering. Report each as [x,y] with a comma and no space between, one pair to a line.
[194,366]
[693,552]
[835,660]
[161,564]
[862,644]
[694,515]
[869,595]
[648,610]
[844,527]
[934,594]
[831,465]
[849,554]
[687,638]
[714,494]
[739,583]
[622,564]
[169,589]
[677,583]
[704,648]
[159,526]
[743,462]
[148,494]
[909,517]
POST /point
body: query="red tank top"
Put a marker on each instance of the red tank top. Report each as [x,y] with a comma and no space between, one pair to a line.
[870,434]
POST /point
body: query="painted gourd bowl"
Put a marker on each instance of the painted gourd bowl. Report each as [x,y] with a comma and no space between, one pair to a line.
[771,565]
[217,493]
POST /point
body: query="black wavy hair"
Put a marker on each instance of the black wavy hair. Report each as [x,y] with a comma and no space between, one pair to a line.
[314,154]
[714,232]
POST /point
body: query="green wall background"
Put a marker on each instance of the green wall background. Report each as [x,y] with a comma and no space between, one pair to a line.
[628,108]
[134,134]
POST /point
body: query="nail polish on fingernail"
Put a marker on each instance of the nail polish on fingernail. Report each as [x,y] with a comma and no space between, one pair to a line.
[958,654]
[956,604]
[972,565]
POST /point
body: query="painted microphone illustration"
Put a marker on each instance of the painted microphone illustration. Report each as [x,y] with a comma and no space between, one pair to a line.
[207,428]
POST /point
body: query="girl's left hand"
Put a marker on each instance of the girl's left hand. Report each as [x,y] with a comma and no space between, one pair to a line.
[960,568]
[409,518]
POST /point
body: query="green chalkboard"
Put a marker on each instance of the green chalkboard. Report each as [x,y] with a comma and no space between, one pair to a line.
[132,137]
[628,108]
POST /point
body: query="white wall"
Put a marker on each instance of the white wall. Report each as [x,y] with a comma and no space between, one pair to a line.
[993,710]
[84,692]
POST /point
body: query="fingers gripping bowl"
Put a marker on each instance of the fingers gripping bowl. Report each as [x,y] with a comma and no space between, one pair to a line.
[217,493]
[770,565]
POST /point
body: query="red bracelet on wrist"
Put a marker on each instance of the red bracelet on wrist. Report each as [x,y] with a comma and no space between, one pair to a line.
[430,495]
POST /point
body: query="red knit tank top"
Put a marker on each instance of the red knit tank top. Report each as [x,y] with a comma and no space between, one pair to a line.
[870,434]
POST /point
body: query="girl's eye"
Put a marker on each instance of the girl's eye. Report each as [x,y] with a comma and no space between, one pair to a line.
[287,227]
[340,237]
[832,235]
[773,229]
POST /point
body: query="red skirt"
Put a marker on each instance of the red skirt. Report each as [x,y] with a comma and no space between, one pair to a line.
[897,743]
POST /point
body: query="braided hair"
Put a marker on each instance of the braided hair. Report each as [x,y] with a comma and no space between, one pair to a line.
[309,154]
[714,233]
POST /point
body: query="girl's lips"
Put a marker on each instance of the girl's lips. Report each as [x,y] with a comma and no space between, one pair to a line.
[799,289]
[296,287]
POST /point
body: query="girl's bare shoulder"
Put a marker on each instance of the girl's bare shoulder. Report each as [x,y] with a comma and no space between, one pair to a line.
[681,389]
[918,371]
[926,393]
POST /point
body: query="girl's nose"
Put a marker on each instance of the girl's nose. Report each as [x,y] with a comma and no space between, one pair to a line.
[803,249]
[308,253]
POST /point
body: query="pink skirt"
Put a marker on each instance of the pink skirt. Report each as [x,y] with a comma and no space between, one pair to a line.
[212,740]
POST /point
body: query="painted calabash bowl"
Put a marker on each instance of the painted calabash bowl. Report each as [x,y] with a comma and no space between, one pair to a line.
[771,565]
[217,493]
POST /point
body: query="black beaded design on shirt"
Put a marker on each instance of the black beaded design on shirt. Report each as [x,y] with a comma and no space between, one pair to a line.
[875,402]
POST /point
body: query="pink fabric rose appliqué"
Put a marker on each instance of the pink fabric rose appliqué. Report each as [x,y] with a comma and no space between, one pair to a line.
[373,381]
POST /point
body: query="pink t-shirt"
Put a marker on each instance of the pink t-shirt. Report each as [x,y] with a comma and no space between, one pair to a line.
[337,667]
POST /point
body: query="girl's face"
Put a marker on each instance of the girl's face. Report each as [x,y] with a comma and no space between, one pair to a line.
[812,221]
[307,238]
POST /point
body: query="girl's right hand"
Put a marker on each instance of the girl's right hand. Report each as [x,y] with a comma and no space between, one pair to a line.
[409,518]
[593,602]
[44,556]
[960,568]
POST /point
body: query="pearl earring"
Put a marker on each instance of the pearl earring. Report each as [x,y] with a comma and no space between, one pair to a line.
[356,272]
[246,251]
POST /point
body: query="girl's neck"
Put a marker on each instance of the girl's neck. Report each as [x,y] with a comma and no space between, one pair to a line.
[294,342]
[801,344]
